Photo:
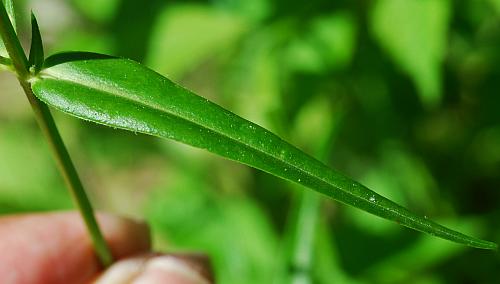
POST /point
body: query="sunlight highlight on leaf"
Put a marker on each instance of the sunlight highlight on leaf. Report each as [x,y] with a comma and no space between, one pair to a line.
[124,94]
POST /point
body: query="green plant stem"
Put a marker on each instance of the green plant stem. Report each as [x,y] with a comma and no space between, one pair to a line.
[48,127]
[68,171]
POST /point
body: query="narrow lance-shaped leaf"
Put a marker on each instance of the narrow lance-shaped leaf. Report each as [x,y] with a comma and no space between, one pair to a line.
[124,94]
[9,7]
[36,51]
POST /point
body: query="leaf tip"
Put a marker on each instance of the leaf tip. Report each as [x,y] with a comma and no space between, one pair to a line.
[34,22]
[492,246]
[36,56]
[482,244]
[9,7]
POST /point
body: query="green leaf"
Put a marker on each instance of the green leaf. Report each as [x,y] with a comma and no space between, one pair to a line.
[9,7]
[413,32]
[11,44]
[187,35]
[64,57]
[496,5]
[124,94]
[36,51]
[329,43]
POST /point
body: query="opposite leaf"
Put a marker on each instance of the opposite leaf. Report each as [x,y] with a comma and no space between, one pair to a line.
[9,7]
[36,50]
[122,93]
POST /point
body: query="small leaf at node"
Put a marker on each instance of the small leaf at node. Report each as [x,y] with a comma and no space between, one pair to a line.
[36,51]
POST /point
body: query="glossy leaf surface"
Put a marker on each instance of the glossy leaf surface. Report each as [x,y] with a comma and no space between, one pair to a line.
[124,94]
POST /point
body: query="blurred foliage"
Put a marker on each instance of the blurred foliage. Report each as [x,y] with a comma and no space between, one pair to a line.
[414,34]
[412,83]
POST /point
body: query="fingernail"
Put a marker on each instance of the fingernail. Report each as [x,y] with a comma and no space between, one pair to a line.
[172,269]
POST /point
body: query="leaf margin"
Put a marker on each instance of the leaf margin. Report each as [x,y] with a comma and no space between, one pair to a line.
[364,197]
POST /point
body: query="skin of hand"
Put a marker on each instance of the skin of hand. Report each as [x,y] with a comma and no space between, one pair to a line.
[55,248]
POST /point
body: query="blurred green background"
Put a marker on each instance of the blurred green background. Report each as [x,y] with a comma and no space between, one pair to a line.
[402,95]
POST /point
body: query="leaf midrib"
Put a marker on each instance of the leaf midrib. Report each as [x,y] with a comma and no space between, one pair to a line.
[121,94]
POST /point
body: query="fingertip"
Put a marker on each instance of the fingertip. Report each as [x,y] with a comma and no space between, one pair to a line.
[151,268]
[123,271]
[56,248]
[169,269]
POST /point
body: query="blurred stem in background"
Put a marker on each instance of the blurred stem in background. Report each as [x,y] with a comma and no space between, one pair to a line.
[302,251]
[305,214]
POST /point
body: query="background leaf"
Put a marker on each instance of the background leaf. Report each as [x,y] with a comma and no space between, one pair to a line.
[414,33]
[187,35]
[122,93]
[327,44]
